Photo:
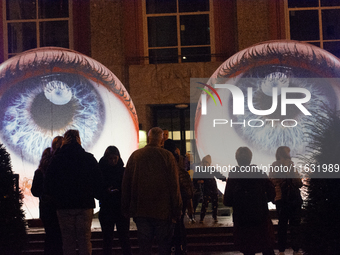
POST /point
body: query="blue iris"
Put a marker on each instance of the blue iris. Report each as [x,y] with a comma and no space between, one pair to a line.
[29,120]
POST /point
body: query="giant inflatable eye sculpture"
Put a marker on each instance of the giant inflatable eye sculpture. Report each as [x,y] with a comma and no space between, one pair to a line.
[268,93]
[46,91]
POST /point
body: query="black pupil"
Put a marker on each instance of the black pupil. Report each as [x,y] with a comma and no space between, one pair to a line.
[51,116]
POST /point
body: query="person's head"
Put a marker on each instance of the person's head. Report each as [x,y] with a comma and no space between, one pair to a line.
[56,143]
[155,136]
[45,159]
[206,161]
[243,156]
[283,152]
[165,134]
[112,155]
[71,136]
[171,146]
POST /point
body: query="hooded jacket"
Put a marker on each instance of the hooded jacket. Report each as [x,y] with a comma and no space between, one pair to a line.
[112,179]
[73,178]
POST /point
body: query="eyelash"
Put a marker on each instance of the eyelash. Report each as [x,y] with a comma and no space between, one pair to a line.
[247,59]
[83,66]
[262,59]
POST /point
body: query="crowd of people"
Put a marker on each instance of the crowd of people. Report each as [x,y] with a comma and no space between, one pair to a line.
[156,190]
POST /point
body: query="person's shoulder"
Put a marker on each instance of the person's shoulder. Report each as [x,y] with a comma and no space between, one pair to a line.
[38,171]
[86,153]
[78,153]
[90,156]
[283,162]
[164,151]
[258,172]
[102,161]
[138,152]
[148,149]
[277,163]
[234,173]
[290,162]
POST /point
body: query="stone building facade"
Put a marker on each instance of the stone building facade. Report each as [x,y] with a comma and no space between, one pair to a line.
[117,42]
[113,33]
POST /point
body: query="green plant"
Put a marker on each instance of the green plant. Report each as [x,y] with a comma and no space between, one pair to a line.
[12,218]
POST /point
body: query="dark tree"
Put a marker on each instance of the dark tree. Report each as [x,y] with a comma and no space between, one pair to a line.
[12,219]
[321,224]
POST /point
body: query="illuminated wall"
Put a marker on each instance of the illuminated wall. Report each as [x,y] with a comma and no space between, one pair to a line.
[46,91]
[262,67]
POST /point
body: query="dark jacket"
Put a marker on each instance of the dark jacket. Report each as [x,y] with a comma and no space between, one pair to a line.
[73,178]
[254,187]
[209,184]
[112,180]
[38,183]
[248,194]
[46,205]
[185,183]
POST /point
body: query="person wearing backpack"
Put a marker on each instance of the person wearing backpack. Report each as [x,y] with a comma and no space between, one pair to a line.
[288,199]
[248,192]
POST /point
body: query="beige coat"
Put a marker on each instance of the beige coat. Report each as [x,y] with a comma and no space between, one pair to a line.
[151,185]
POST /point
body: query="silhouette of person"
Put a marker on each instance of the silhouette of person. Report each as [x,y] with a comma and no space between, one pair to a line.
[249,193]
[48,212]
[112,168]
[151,193]
[73,180]
[186,188]
[288,199]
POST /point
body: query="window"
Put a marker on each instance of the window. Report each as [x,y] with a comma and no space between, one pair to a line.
[176,119]
[178,31]
[316,22]
[31,24]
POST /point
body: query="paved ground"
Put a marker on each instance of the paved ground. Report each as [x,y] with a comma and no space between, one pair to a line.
[223,221]
[287,252]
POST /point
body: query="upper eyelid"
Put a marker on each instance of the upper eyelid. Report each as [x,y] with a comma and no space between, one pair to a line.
[43,61]
[35,62]
[305,55]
